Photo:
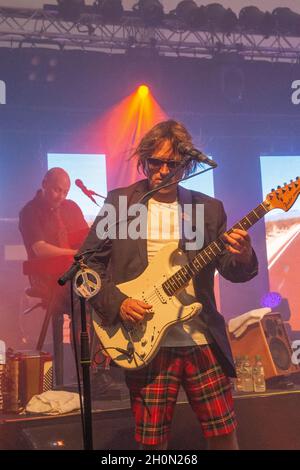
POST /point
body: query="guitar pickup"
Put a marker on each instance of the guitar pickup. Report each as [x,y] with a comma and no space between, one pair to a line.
[160,295]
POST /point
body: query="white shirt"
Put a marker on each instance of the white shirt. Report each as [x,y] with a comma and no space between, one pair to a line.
[163,228]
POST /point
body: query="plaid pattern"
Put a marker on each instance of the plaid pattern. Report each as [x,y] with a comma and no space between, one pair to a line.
[154,390]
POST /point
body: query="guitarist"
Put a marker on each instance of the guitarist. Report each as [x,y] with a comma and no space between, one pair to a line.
[195,354]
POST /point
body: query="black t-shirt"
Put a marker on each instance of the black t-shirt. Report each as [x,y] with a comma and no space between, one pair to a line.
[39,222]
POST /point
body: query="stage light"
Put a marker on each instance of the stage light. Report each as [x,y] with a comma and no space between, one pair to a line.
[70,10]
[151,11]
[220,18]
[35,60]
[32,76]
[111,10]
[250,18]
[143,91]
[131,42]
[50,77]
[271,300]
[53,62]
[286,21]
[188,12]
[253,19]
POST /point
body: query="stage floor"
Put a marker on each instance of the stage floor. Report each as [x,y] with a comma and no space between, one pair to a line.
[269,420]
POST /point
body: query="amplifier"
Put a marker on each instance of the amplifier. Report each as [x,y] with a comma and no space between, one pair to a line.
[267,338]
[27,373]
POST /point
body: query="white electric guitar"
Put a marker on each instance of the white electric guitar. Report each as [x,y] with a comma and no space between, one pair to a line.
[162,285]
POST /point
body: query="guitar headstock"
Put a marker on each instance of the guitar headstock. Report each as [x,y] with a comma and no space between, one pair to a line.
[284,196]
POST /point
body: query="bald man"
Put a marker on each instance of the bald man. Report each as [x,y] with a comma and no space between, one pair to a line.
[47,224]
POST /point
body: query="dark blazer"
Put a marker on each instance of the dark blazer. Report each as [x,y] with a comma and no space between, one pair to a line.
[122,260]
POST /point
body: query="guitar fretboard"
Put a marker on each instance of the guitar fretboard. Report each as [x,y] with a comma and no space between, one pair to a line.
[211,252]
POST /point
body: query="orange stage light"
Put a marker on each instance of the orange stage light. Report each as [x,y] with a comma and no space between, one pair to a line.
[143,91]
[118,132]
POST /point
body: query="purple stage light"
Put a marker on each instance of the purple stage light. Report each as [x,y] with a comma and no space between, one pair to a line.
[271,299]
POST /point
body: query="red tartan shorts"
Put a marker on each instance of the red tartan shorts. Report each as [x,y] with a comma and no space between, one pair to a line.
[154,389]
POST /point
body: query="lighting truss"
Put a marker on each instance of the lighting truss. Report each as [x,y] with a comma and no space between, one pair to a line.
[29,27]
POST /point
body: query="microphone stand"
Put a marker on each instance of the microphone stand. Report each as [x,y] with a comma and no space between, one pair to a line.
[79,268]
[85,361]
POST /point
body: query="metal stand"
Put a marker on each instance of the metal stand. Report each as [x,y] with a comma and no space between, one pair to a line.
[86,284]
[85,362]
[44,329]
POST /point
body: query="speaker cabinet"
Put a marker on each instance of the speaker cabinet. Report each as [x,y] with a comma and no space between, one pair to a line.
[267,338]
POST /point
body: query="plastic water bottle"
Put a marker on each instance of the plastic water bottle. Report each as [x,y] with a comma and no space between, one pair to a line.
[258,373]
[2,352]
[2,373]
[247,378]
[238,382]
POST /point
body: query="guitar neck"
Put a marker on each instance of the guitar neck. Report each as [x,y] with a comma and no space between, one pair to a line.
[211,252]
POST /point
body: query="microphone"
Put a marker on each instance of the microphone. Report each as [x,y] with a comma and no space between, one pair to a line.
[196,154]
[68,275]
[85,191]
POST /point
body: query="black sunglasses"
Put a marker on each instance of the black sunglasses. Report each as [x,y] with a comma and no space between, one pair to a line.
[157,163]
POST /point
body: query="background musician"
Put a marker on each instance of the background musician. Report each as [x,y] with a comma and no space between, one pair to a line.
[52,228]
